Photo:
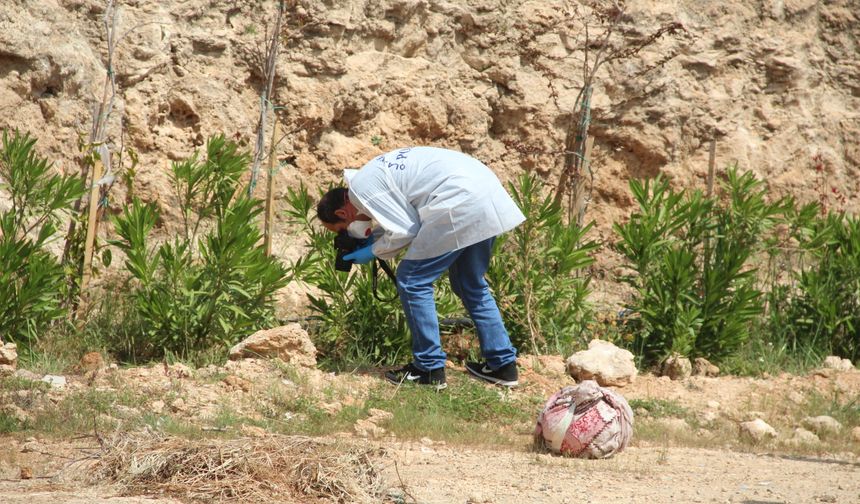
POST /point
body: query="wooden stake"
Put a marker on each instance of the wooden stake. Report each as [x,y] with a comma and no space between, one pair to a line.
[91,235]
[712,159]
[579,188]
[270,193]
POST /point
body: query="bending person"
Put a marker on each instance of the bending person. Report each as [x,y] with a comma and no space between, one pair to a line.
[447,208]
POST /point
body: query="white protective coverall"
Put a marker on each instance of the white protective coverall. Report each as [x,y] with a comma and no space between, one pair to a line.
[433,200]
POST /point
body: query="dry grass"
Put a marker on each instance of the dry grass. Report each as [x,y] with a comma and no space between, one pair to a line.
[274,468]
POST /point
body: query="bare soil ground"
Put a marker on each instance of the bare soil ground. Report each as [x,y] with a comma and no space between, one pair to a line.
[641,474]
[442,474]
[703,460]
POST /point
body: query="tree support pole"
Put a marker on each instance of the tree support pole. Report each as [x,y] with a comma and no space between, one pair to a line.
[92,222]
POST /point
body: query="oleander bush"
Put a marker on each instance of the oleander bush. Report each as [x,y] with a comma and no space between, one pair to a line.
[694,257]
[212,284]
[32,280]
[538,274]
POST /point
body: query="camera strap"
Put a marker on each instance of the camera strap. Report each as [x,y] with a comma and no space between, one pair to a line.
[379,263]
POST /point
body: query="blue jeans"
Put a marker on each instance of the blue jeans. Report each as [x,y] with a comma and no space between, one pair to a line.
[466,268]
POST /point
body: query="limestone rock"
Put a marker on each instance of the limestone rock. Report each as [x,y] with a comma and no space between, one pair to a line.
[855,433]
[8,359]
[290,343]
[32,445]
[703,367]
[56,382]
[378,415]
[757,430]
[804,437]
[367,429]
[9,354]
[237,383]
[179,370]
[179,406]
[822,425]
[26,374]
[838,363]
[603,362]
[14,412]
[676,367]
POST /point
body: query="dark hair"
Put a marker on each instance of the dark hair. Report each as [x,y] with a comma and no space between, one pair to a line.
[331,201]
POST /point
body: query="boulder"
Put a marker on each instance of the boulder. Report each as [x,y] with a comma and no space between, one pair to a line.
[855,433]
[603,362]
[8,359]
[822,425]
[757,430]
[676,367]
[703,367]
[838,363]
[290,343]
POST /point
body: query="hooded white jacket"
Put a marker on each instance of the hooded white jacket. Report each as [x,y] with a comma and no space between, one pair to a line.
[433,200]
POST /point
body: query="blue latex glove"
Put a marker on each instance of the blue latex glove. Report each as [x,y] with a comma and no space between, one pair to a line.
[361,256]
[367,241]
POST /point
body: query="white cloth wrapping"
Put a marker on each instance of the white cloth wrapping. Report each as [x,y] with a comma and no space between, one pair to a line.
[585,421]
[432,200]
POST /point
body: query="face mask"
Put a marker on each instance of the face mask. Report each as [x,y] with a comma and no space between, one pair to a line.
[360,229]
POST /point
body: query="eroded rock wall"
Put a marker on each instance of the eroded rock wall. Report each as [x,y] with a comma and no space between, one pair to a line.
[779,80]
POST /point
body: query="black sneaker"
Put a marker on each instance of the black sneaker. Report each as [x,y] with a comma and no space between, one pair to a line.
[411,374]
[507,375]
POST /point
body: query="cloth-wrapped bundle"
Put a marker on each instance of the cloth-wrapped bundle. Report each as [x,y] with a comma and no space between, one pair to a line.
[586,421]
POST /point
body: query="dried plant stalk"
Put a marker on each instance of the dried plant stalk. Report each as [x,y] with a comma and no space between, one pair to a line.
[241,470]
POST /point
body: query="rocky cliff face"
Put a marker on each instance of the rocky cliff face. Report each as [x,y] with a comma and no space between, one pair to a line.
[778,80]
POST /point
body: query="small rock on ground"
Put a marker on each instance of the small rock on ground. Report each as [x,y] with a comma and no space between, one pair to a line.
[757,430]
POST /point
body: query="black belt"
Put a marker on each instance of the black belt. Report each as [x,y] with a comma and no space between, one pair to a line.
[379,263]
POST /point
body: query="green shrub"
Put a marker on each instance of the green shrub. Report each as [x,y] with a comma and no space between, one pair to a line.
[819,310]
[536,276]
[693,256]
[214,284]
[31,279]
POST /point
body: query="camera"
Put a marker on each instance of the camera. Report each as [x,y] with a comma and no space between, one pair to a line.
[345,244]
